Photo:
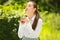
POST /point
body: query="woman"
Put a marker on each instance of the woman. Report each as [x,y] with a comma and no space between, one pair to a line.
[29,28]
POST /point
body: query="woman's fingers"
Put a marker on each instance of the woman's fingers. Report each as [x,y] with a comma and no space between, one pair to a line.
[23,20]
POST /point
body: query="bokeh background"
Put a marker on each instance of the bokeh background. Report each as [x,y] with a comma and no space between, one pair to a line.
[11,12]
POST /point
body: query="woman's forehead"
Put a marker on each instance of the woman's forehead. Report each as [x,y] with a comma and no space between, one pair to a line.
[30,3]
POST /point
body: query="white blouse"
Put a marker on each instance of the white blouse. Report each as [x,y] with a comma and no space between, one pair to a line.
[27,31]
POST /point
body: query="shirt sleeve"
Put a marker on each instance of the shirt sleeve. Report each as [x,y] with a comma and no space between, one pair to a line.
[21,30]
[38,28]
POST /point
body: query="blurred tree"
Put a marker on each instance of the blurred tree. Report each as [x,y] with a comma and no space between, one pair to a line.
[49,5]
[8,30]
[3,1]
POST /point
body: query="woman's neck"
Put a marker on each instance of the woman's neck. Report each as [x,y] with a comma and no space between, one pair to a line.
[31,15]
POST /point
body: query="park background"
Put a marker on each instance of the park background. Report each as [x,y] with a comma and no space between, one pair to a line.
[11,12]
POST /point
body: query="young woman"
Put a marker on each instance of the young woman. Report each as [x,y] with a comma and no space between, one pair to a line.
[29,28]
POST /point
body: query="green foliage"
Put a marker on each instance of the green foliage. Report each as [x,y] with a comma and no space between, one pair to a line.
[9,16]
[8,29]
[43,5]
[11,13]
[51,26]
[3,1]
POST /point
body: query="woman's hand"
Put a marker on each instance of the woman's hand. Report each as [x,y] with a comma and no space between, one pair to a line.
[24,20]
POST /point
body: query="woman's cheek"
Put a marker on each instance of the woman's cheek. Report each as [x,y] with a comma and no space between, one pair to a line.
[29,9]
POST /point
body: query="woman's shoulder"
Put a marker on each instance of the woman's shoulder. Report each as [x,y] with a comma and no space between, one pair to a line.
[40,19]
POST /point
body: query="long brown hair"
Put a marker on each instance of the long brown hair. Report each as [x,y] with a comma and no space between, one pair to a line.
[37,16]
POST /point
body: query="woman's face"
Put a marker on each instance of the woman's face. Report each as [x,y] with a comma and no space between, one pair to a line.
[30,8]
